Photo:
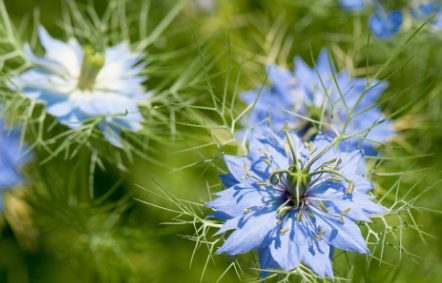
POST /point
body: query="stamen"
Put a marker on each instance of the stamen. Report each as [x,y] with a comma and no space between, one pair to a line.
[283,231]
[299,215]
[350,188]
[266,153]
[339,161]
[316,238]
[309,213]
[310,147]
[330,161]
[247,210]
[267,162]
[246,171]
[331,167]
[321,204]
[282,211]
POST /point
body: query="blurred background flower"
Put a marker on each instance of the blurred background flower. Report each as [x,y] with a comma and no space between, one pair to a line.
[79,83]
[319,99]
[11,157]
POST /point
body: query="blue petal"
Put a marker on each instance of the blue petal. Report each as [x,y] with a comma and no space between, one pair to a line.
[266,261]
[323,66]
[111,133]
[236,166]
[230,224]
[234,200]
[385,25]
[283,82]
[48,64]
[287,248]
[361,205]
[253,232]
[353,5]
[11,157]
[228,180]
[318,255]
[219,215]
[344,235]
[62,108]
[263,143]
[423,11]
[60,52]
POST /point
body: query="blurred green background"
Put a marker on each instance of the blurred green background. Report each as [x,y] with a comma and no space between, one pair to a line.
[121,239]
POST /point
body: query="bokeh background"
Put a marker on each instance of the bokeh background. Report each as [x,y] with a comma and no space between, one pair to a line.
[44,239]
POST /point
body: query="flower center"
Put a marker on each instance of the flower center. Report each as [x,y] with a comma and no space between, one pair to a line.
[93,61]
[299,177]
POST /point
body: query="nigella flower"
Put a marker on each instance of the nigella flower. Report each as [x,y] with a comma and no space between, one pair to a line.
[437,23]
[78,83]
[385,25]
[294,203]
[306,93]
[422,11]
[10,158]
[353,5]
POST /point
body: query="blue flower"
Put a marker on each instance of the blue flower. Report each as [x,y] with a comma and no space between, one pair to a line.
[301,92]
[437,23]
[353,5]
[78,83]
[385,25]
[422,11]
[293,212]
[10,158]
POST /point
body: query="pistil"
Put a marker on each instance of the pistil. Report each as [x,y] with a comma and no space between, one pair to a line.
[93,61]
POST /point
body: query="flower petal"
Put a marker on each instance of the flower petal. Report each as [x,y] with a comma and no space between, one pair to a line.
[253,232]
[288,246]
[60,52]
[344,235]
[266,261]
